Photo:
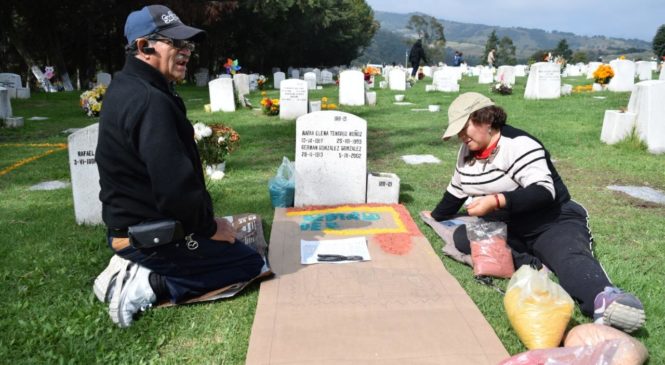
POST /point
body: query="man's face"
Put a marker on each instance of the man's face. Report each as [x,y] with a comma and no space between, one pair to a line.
[169,60]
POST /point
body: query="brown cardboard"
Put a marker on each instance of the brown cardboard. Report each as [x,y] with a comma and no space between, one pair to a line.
[402,307]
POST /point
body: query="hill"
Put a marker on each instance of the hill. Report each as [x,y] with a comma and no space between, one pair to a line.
[470,39]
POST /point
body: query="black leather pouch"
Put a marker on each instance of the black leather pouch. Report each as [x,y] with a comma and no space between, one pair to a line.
[155,233]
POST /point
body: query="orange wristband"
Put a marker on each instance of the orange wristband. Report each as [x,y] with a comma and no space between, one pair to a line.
[498,203]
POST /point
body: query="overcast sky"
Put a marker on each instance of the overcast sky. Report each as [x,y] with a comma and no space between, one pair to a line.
[612,18]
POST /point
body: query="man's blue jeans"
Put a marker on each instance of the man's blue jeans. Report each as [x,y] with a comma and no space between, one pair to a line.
[192,270]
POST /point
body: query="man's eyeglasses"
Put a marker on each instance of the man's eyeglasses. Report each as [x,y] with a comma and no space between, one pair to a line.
[176,43]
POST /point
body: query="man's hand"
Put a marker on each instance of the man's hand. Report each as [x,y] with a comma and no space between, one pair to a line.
[482,206]
[225,231]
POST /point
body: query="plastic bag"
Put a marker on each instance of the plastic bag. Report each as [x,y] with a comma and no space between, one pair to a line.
[630,351]
[603,353]
[538,308]
[490,254]
[282,186]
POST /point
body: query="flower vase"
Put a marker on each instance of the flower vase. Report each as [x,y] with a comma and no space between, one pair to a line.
[211,168]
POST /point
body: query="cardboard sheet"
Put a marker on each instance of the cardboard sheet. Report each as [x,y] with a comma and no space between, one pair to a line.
[402,307]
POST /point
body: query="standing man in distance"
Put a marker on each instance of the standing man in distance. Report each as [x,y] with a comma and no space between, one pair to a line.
[152,180]
[416,54]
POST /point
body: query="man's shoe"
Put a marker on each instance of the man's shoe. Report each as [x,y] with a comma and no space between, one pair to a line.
[103,286]
[621,310]
[132,294]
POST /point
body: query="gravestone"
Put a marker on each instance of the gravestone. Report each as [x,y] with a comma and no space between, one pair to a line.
[12,82]
[331,159]
[310,78]
[315,106]
[520,70]
[221,95]
[317,72]
[85,176]
[624,76]
[5,103]
[544,81]
[295,74]
[643,70]
[202,78]
[445,79]
[593,66]
[486,75]
[278,77]
[103,78]
[327,77]
[351,88]
[427,71]
[253,82]
[617,125]
[382,187]
[293,97]
[646,102]
[397,79]
[370,98]
[506,74]
[241,85]
[225,76]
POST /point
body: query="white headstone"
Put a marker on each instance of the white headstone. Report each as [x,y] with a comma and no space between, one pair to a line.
[646,102]
[253,82]
[326,77]
[241,84]
[506,74]
[544,81]
[370,97]
[317,72]
[486,75]
[85,176]
[643,70]
[351,88]
[427,71]
[445,79]
[14,122]
[278,77]
[397,79]
[331,159]
[293,99]
[520,70]
[382,188]
[12,82]
[624,75]
[310,78]
[221,95]
[591,68]
[315,106]
[617,125]
[5,103]
[103,78]
[295,74]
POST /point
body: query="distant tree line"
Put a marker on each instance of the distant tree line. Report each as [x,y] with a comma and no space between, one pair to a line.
[85,37]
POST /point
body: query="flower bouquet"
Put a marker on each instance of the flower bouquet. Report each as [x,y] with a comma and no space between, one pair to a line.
[215,142]
[268,105]
[326,106]
[502,88]
[603,74]
[91,100]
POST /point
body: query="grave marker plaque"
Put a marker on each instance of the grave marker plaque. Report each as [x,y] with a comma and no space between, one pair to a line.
[85,176]
[331,159]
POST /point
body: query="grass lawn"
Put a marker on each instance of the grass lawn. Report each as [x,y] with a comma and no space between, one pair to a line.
[48,313]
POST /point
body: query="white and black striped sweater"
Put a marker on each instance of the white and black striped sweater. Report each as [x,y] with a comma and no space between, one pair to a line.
[521,169]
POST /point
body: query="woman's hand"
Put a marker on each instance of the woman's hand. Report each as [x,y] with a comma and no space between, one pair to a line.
[487,204]
[225,231]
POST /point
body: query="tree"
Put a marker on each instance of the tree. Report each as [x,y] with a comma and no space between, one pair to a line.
[505,54]
[563,50]
[492,43]
[659,42]
[579,56]
[431,32]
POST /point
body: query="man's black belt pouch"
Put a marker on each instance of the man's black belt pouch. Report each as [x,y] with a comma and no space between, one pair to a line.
[155,233]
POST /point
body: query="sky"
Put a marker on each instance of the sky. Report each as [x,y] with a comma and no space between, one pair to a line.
[611,18]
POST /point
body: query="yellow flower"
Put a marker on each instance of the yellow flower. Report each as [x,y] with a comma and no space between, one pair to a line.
[275,101]
[324,100]
[263,93]
[332,106]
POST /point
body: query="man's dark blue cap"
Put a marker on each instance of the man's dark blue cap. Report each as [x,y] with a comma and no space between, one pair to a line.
[159,19]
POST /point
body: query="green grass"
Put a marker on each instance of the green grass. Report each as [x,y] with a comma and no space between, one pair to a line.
[48,263]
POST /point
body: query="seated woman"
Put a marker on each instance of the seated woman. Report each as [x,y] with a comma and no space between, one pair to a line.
[509,177]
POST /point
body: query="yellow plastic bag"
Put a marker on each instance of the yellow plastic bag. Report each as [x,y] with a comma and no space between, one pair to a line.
[538,308]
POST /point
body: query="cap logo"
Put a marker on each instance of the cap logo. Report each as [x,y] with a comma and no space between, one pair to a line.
[169,17]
